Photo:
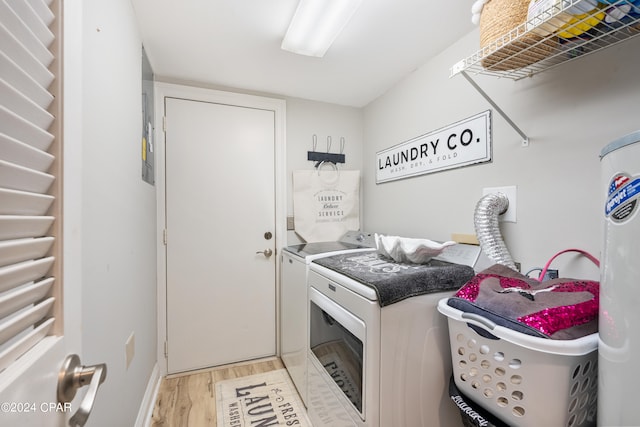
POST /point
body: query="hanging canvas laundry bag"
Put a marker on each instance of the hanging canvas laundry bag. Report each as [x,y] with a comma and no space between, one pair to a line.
[326,203]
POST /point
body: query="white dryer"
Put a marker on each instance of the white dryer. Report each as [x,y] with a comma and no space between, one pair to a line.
[379,350]
[294,298]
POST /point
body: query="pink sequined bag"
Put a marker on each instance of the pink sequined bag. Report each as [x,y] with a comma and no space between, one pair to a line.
[560,309]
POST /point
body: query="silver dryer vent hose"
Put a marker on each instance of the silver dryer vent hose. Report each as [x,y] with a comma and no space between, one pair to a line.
[488,231]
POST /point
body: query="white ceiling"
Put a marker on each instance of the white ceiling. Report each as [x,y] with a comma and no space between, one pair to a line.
[236,44]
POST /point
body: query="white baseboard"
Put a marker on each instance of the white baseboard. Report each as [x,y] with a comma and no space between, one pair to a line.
[149,398]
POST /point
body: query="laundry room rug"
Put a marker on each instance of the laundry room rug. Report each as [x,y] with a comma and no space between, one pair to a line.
[267,399]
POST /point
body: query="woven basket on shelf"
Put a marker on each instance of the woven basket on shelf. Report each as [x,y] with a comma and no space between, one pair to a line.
[499,18]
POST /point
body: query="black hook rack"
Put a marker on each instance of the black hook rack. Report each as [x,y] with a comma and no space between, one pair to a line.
[320,157]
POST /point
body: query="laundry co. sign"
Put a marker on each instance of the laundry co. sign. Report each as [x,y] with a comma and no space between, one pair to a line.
[460,144]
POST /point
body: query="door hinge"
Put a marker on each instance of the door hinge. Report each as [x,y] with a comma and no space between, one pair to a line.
[164,123]
[164,237]
[166,350]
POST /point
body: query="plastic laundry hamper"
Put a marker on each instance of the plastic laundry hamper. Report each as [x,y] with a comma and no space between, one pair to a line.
[523,380]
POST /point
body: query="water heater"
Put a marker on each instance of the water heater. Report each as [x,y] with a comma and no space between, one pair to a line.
[619,320]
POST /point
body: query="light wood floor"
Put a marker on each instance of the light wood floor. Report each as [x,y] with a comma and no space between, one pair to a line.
[188,400]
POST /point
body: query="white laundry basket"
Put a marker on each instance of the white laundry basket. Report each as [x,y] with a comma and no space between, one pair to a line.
[523,380]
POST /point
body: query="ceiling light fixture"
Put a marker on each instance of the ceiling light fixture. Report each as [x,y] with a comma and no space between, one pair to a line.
[316,24]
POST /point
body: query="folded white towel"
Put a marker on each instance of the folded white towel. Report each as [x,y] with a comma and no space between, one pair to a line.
[404,249]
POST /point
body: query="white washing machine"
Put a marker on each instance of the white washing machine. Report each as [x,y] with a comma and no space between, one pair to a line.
[294,298]
[379,350]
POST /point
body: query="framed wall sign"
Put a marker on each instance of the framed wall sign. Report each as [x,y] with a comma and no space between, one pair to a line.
[463,143]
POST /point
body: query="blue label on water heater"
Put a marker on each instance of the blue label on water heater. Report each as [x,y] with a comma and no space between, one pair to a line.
[622,198]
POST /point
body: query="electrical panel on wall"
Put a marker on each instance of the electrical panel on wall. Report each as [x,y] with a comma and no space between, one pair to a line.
[147,121]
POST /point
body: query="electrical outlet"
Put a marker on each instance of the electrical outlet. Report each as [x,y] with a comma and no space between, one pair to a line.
[550,274]
[290,223]
[130,349]
[510,192]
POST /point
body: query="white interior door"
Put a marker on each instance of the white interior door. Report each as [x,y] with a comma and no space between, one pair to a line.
[220,214]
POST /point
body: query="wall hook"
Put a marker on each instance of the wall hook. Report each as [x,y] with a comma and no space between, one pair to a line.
[319,157]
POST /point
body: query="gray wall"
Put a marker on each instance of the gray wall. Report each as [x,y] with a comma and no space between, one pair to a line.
[569,113]
[117,258]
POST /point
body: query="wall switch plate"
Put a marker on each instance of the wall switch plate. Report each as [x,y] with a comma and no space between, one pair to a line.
[510,192]
[290,223]
[130,349]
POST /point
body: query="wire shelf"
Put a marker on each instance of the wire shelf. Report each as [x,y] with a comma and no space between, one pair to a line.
[536,46]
